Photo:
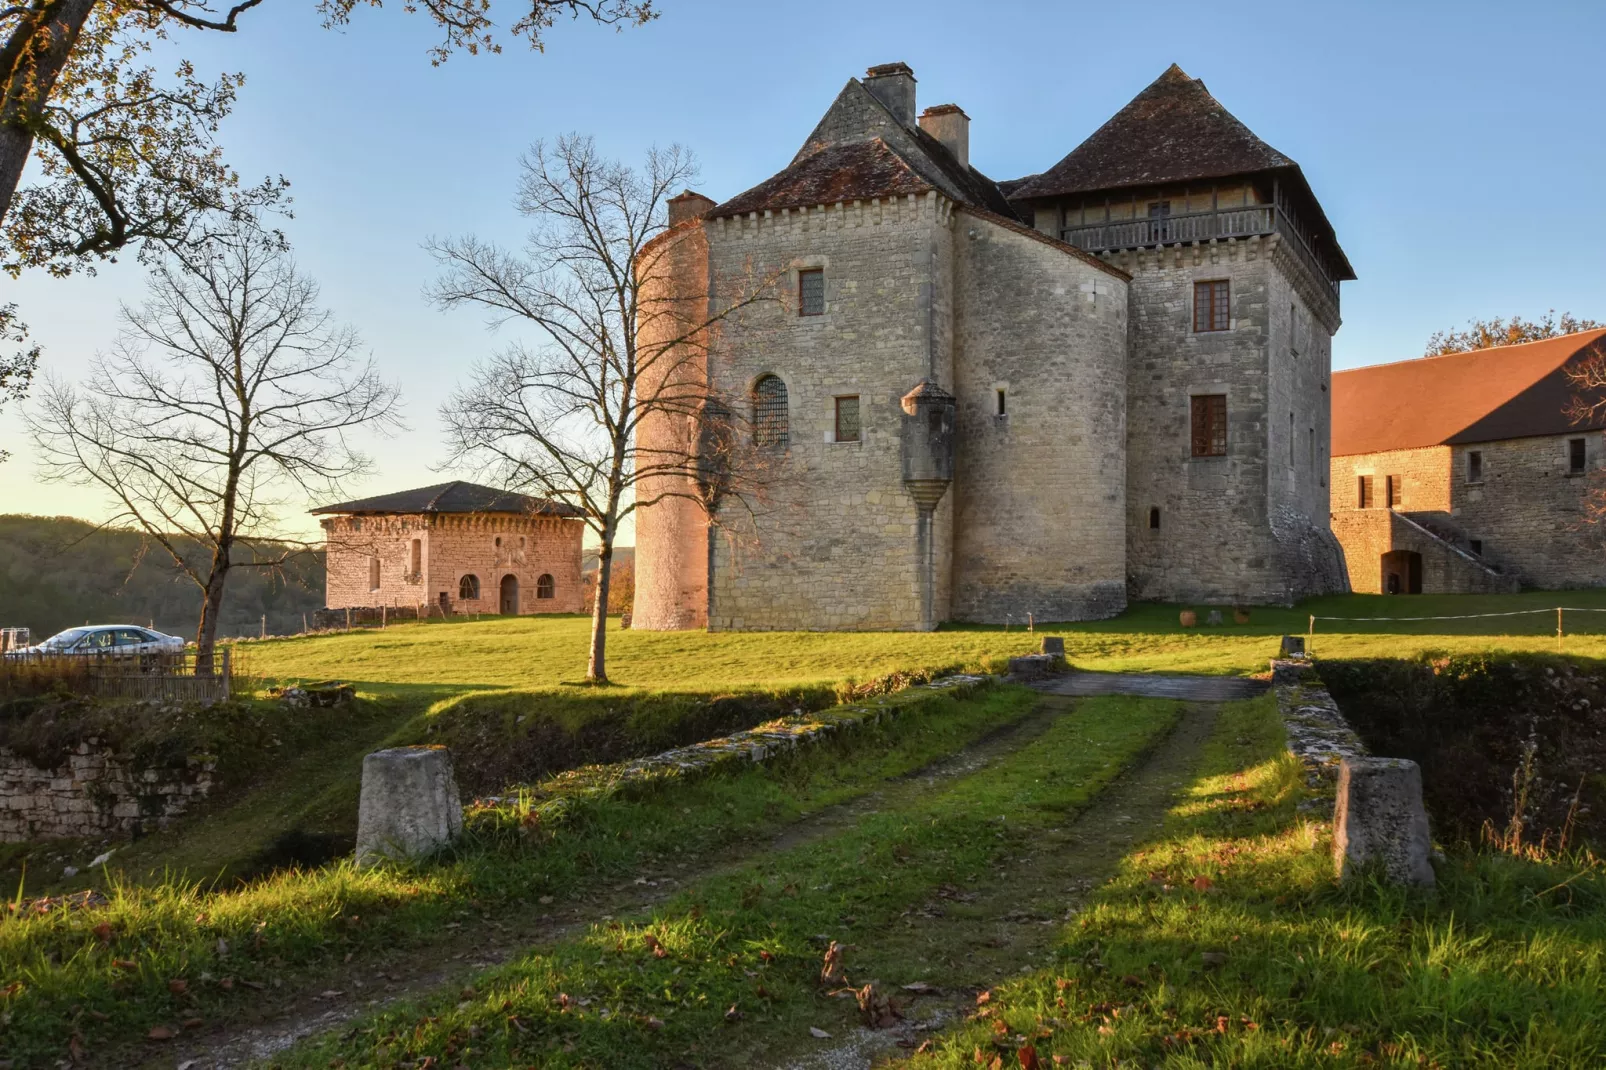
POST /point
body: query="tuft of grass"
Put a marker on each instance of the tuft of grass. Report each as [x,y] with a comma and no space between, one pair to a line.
[1227,942]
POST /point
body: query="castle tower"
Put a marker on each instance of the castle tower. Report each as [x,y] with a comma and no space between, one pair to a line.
[1234,300]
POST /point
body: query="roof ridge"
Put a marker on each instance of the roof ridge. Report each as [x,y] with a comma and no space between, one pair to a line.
[1597,331]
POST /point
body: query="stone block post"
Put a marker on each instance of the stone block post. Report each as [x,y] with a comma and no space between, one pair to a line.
[1379,823]
[409,807]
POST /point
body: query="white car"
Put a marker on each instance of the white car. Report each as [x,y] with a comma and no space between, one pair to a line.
[114,640]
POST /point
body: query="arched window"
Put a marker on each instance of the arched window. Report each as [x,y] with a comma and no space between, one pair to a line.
[468,587]
[373,573]
[545,587]
[499,542]
[769,412]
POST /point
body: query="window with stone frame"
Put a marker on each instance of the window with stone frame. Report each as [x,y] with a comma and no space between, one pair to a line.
[847,418]
[373,573]
[811,292]
[468,588]
[545,586]
[770,417]
[1212,306]
[1209,425]
[415,559]
[1363,492]
[1577,456]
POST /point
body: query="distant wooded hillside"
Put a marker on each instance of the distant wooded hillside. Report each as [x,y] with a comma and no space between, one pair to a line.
[57,572]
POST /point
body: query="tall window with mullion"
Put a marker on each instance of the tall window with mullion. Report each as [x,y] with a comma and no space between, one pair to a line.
[771,422]
[1211,306]
[811,292]
[847,419]
[1209,425]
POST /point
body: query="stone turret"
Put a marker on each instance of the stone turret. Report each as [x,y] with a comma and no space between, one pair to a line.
[928,432]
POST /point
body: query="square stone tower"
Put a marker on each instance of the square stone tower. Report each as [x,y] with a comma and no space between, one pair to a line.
[1234,301]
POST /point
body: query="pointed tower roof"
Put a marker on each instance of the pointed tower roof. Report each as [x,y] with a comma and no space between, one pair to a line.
[1173,131]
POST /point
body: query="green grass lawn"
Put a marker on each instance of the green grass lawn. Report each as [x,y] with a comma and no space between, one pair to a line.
[548,652]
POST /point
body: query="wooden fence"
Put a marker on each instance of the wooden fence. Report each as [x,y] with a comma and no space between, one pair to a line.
[179,677]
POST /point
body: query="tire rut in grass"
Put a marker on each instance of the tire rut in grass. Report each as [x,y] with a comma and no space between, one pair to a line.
[980,937]
[373,986]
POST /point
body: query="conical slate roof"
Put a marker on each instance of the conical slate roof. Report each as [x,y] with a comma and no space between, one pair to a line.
[454,497]
[1173,131]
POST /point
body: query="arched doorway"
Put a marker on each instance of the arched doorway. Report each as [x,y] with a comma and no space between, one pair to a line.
[510,594]
[1402,572]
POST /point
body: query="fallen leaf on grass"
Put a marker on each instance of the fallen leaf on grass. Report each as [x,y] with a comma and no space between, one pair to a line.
[984,997]
[160,1032]
[818,1034]
[103,932]
[75,1047]
[1132,980]
[178,986]
[1028,1058]
[920,988]
[831,970]
[879,1010]
[1213,959]
[734,1015]
[193,1023]
[124,964]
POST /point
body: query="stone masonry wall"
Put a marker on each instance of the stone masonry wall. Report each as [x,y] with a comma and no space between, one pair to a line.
[1215,541]
[1530,512]
[93,793]
[1367,534]
[1040,491]
[489,546]
[833,543]
[1424,476]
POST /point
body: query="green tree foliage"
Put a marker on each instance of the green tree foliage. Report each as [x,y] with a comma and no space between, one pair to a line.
[16,367]
[1487,334]
[57,572]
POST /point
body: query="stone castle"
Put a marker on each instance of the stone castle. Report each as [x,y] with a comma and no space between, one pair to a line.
[991,399]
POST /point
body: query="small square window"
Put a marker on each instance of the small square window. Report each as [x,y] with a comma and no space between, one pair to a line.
[1576,454]
[1211,307]
[1209,416]
[811,292]
[1475,466]
[847,419]
[1476,546]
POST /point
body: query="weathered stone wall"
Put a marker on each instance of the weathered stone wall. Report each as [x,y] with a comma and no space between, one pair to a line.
[1531,512]
[832,545]
[1424,476]
[94,792]
[1216,542]
[489,546]
[1040,521]
[671,532]
[1367,534]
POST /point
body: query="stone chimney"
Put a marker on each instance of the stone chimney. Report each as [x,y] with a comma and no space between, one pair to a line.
[688,205]
[893,84]
[950,125]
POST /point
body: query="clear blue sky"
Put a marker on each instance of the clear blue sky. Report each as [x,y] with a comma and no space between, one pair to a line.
[1458,148]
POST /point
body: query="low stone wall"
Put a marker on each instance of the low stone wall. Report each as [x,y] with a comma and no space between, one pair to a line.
[93,793]
[1318,735]
[550,799]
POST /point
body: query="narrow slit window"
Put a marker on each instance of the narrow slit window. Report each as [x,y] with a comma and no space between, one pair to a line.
[1576,454]
[415,558]
[1209,419]
[1003,403]
[811,292]
[847,419]
[373,573]
[1211,307]
[1475,466]
[1154,518]
[1364,493]
[1393,487]
[770,417]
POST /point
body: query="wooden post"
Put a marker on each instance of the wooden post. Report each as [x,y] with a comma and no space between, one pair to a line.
[1310,635]
[1558,629]
[264,626]
[228,672]
[304,628]
[1031,625]
[348,618]
[383,613]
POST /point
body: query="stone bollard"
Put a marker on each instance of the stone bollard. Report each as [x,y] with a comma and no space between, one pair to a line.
[1054,645]
[1379,822]
[1293,646]
[409,806]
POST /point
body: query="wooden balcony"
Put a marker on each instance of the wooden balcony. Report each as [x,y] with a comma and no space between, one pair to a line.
[1184,229]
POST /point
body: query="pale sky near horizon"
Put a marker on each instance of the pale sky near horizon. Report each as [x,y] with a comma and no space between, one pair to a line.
[1457,148]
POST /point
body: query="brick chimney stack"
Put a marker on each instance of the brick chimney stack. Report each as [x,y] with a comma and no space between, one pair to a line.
[893,84]
[950,125]
[688,205]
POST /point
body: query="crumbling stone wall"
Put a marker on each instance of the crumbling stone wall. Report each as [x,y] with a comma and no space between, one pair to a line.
[94,792]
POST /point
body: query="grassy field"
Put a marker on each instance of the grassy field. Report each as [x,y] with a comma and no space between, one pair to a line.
[549,652]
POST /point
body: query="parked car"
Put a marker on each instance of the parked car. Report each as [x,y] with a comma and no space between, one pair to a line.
[105,640]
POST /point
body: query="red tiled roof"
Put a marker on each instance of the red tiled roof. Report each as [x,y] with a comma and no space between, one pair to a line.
[857,170]
[1483,396]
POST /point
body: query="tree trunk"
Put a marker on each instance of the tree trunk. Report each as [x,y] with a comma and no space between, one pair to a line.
[211,607]
[597,663]
[31,62]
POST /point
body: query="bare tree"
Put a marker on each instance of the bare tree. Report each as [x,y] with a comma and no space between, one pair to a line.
[229,391]
[1490,333]
[614,347]
[125,154]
